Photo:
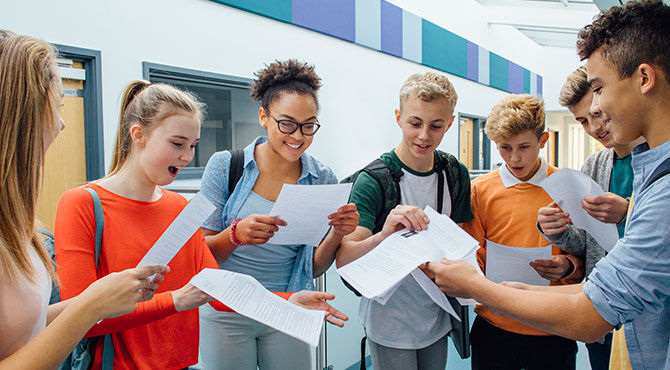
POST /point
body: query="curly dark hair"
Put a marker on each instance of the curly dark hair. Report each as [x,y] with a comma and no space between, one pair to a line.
[284,76]
[635,33]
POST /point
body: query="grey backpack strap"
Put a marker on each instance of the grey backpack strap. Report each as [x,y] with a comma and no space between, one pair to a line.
[108,344]
[99,224]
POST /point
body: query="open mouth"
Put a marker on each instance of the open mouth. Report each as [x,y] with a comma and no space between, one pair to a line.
[603,135]
[173,170]
[423,147]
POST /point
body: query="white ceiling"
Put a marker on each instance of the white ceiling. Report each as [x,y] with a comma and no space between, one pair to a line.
[547,22]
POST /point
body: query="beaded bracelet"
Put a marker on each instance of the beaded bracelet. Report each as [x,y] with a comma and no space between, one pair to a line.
[233,238]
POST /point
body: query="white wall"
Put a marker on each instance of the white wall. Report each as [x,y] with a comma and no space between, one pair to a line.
[360,85]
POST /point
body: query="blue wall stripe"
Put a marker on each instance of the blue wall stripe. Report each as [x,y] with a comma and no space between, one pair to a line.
[484,66]
[444,50]
[332,17]
[382,26]
[368,23]
[498,71]
[391,29]
[411,37]
[533,83]
[473,61]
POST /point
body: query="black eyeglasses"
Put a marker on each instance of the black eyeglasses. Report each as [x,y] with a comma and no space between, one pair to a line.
[286,126]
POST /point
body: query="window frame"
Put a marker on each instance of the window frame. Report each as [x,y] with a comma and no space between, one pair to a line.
[197,77]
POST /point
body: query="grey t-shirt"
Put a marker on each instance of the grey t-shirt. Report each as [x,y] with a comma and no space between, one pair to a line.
[409,319]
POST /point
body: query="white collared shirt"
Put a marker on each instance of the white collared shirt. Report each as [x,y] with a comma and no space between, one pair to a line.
[510,180]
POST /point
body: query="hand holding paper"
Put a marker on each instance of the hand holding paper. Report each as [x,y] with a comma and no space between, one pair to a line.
[569,198]
[305,208]
[248,297]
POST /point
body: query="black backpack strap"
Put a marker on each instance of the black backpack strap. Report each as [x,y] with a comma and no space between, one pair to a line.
[236,169]
[363,364]
[660,171]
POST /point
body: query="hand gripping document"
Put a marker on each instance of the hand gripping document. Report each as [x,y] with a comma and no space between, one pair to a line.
[249,298]
[567,187]
[305,208]
[377,273]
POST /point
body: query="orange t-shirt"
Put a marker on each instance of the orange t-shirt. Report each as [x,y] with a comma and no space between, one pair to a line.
[507,216]
[154,336]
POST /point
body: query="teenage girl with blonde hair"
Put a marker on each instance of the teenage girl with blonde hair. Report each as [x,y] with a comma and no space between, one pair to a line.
[34,334]
[158,129]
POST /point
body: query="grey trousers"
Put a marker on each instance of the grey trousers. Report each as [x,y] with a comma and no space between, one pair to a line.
[433,357]
[231,341]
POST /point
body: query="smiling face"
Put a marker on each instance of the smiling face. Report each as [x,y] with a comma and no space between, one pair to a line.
[617,98]
[169,147]
[294,107]
[593,120]
[423,126]
[520,153]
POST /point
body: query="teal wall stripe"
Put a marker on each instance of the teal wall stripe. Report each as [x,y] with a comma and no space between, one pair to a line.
[411,37]
[444,50]
[526,81]
[498,71]
[378,25]
[368,23]
[275,9]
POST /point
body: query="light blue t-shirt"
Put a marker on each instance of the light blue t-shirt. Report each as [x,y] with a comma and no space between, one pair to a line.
[270,264]
[215,188]
[631,285]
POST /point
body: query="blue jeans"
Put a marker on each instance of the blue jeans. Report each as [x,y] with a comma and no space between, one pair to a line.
[599,353]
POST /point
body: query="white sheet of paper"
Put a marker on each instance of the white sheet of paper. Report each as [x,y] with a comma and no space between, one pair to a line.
[505,263]
[435,294]
[305,208]
[470,258]
[179,232]
[379,270]
[249,298]
[567,187]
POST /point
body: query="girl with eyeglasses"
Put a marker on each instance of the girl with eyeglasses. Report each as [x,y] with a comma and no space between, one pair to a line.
[238,231]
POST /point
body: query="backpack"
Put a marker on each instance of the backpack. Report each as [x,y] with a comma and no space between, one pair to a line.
[80,358]
[388,178]
[660,171]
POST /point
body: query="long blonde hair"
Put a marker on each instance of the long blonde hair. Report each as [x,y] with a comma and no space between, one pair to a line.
[144,103]
[30,91]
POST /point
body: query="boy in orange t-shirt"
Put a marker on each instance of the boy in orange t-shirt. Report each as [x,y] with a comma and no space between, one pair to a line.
[505,204]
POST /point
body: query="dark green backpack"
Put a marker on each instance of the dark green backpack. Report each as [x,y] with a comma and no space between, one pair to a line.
[388,178]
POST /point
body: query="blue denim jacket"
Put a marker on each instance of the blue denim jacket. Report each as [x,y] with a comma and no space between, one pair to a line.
[215,188]
[631,285]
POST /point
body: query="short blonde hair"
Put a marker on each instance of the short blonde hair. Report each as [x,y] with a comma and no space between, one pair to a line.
[514,115]
[576,86]
[429,87]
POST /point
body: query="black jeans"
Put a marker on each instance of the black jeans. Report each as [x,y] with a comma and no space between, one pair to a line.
[494,348]
[599,353]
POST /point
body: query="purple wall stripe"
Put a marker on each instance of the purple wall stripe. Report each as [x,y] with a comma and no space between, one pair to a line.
[332,17]
[473,61]
[391,29]
[514,78]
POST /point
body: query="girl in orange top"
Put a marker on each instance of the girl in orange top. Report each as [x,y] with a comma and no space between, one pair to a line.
[157,133]
[36,335]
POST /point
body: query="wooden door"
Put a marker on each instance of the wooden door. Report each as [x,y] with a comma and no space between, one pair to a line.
[65,163]
[466,141]
[551,148]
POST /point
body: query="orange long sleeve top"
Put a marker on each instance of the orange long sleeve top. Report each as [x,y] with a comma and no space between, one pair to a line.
[154,336]
[508,216]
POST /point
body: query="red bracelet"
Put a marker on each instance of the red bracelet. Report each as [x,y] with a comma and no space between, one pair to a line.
[233,238]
